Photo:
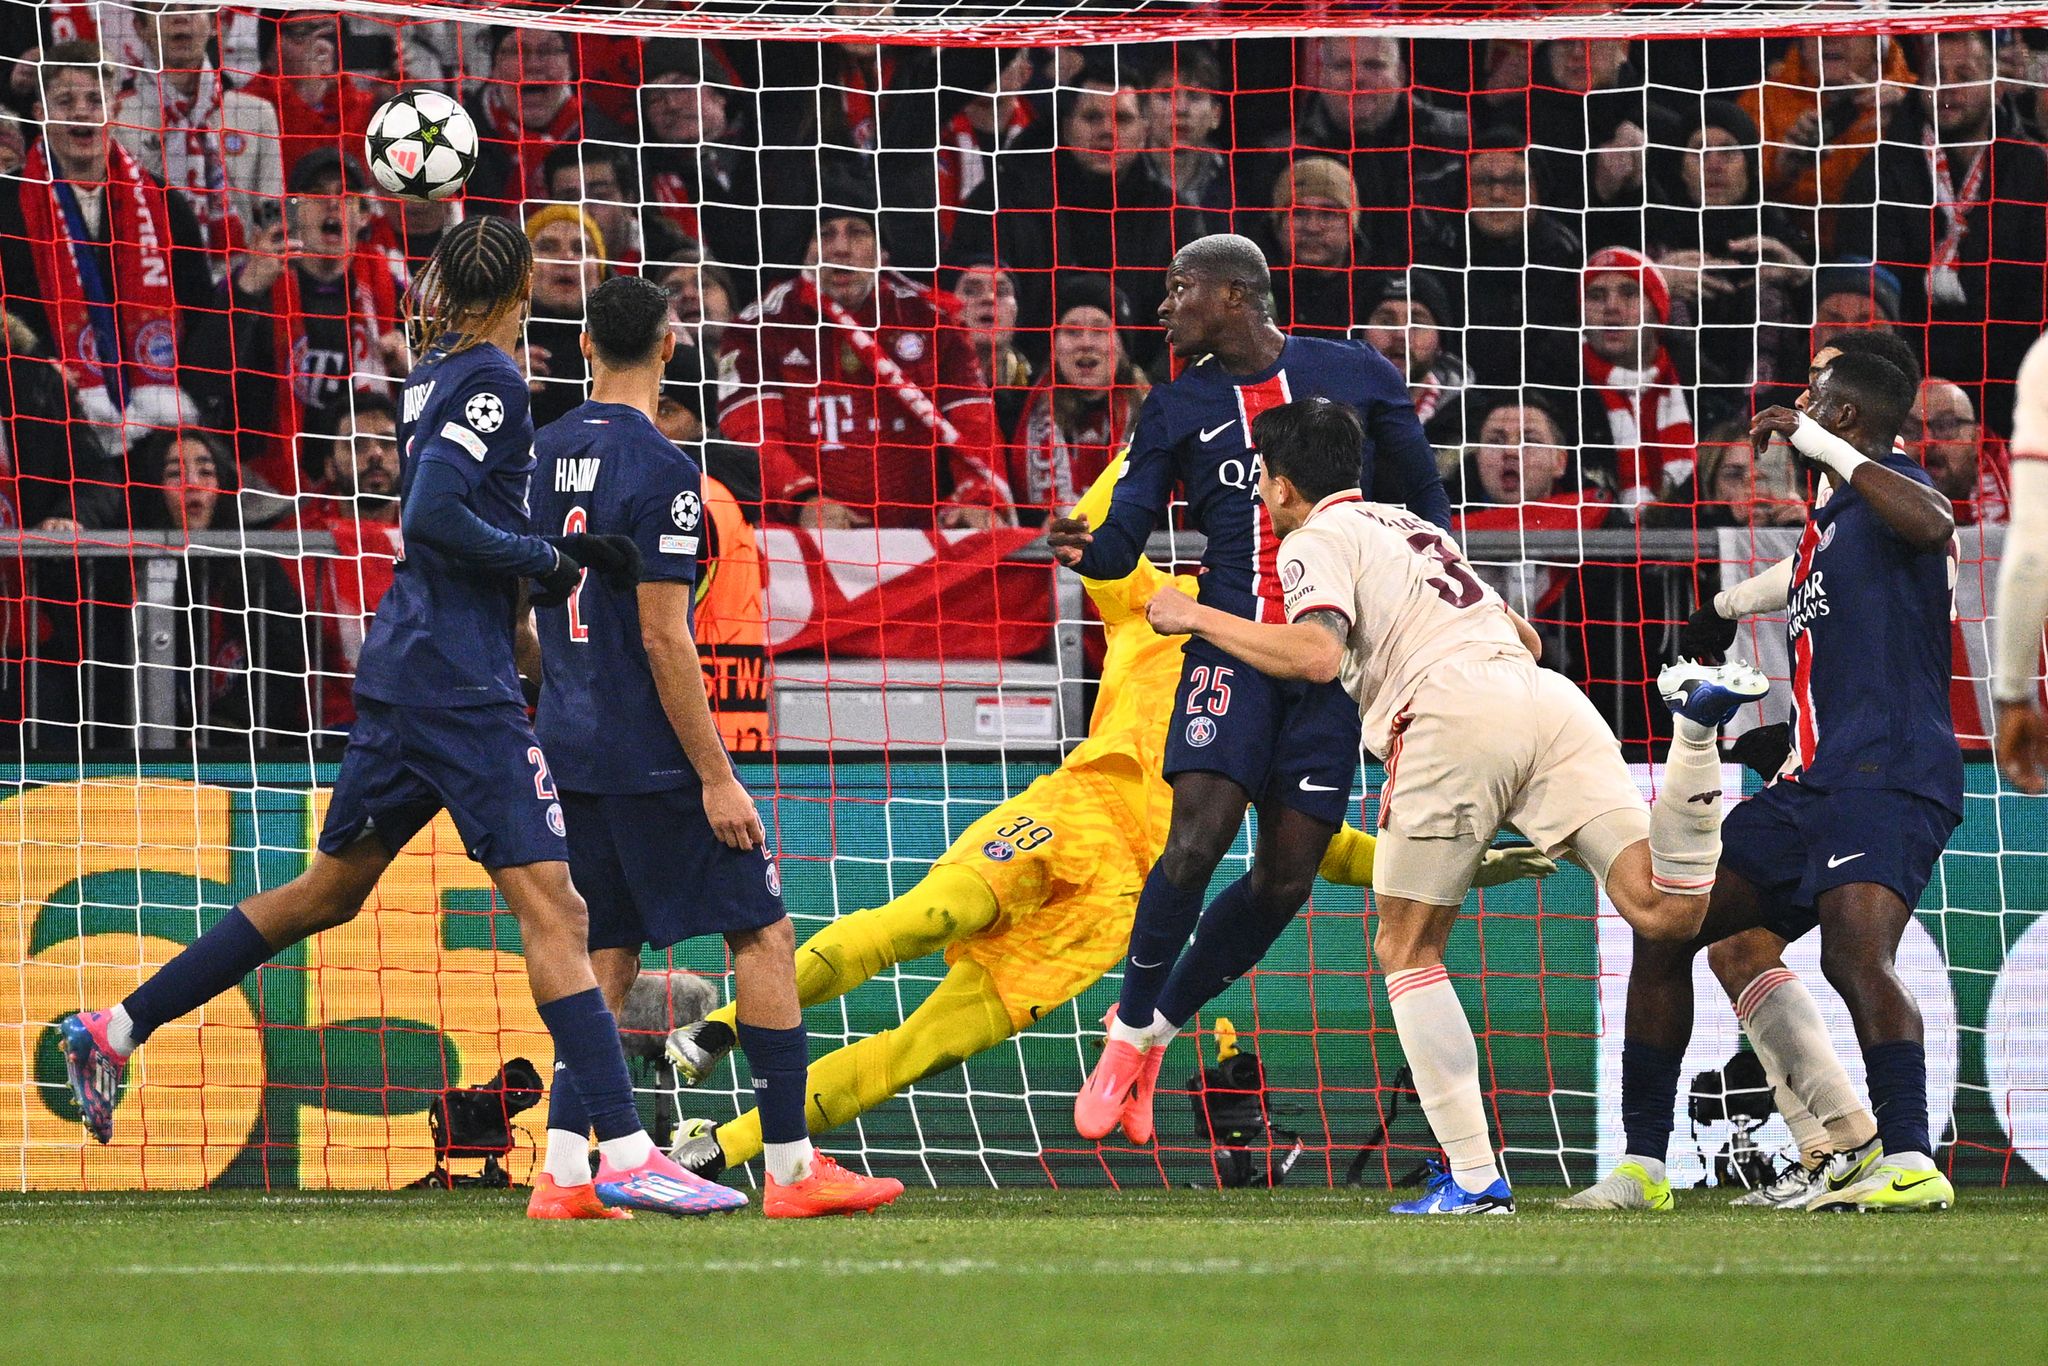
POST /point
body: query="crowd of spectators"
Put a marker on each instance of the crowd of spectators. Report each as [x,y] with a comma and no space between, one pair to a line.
[915,287]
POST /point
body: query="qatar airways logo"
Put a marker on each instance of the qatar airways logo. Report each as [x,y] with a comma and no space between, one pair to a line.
[1809,604]
[1242,474]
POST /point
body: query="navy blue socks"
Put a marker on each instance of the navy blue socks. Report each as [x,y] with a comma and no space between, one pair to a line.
[1230,942]
[1897,1073]
[587,1043]
[1166,917]
[780,1060]
[1649,1097]
[213,963]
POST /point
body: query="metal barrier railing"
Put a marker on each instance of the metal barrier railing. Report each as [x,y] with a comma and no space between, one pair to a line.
[205,641]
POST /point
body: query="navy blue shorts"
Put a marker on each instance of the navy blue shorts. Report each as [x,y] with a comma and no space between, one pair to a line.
[652,872]
[1795,843]
[1279,740]
[404,764]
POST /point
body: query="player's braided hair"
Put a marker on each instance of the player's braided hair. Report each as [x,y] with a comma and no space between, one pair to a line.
[481,271]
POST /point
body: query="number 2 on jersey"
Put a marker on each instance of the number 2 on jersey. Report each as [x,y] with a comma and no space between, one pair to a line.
[577,521]
[1456,585]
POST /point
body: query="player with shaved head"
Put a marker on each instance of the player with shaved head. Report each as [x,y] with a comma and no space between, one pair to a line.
[1238,738]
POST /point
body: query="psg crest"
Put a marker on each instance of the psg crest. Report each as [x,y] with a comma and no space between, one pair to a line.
[1201,731]
[999,851]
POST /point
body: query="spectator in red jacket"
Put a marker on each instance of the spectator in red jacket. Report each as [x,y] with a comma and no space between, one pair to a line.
[360,511]
[316,105]
[316,317]
[866,402]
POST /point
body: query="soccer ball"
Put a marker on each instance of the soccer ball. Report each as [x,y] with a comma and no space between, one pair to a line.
[422,145]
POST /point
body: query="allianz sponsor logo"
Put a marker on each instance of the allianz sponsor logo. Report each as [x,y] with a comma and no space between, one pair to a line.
[1809,603]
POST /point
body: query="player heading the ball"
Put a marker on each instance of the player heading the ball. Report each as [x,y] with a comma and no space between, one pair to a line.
[441,723]
[1474,735]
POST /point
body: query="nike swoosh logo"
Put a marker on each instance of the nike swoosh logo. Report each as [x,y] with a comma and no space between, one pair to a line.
[1903,1186]
[1307,786]
[1136,964]
[1215,432]
[1851,858]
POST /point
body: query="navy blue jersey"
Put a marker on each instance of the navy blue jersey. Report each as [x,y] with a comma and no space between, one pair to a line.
[1869,622]
[1194,435]
[443,633]
[605,469]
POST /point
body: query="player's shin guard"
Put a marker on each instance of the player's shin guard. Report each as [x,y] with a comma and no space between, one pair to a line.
[1649,1098]
[1166,916]
[1784,1025]
[586,1040]
[1229,942]
[213,963]
[1685,820]
[780,1061]
[1898,1091]
[1443,1057]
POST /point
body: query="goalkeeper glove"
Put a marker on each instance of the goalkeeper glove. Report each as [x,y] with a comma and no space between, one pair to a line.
[615,559]
[1763,750]
[1706,635]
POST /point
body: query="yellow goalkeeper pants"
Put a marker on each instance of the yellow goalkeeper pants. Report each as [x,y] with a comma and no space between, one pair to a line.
[965,1015]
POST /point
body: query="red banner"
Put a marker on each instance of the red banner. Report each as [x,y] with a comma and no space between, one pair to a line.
[905,594]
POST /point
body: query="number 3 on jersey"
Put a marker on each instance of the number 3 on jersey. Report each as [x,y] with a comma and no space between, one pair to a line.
[576,522]
[1456,585]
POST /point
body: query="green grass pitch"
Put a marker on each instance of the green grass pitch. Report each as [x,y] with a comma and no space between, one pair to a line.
[1053,1277]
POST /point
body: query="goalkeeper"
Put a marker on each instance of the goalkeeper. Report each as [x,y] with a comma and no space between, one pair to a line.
[1032,904]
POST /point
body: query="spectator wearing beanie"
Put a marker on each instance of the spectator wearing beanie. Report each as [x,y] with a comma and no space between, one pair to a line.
[1322,281]
[568,262]
[1412,325]
[1633,396]
[1083,407]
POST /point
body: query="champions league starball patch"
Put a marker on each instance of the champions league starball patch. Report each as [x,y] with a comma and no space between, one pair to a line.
[686,510]
[486,412]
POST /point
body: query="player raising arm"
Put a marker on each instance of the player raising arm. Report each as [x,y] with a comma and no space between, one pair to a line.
[1240,737]
[1847,836]
[2023,586]
[663,838]
[1474,735]
[440,718]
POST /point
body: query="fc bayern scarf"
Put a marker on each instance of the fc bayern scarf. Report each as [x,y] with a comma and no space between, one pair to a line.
[1051,467]
[104,328]
[1647,419]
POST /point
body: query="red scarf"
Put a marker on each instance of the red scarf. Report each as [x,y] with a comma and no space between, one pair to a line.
[671,193]
[1953,205]
[1650,426]
[342,594]
[372,311]
[142,300]
[880,364]
[530,146]
[192,132]
[1050,468]
[964,162]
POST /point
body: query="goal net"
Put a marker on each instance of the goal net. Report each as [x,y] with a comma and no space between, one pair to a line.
[917,253]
